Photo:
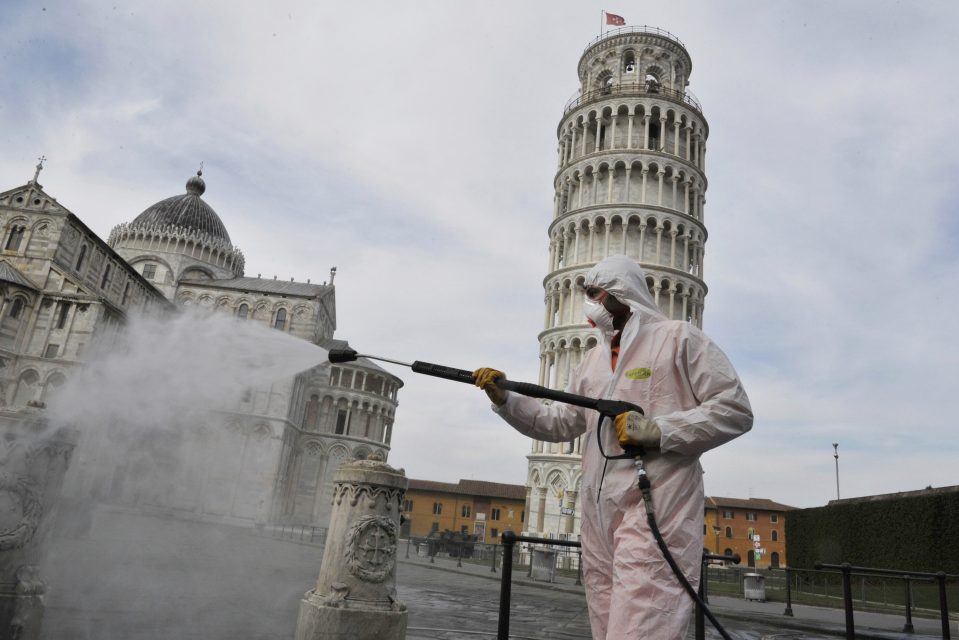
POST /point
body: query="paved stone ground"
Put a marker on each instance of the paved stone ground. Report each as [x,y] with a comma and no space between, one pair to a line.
[461,606]
[558,611]
[133,577]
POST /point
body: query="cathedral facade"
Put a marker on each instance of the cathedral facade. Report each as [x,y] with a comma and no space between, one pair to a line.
[268,460]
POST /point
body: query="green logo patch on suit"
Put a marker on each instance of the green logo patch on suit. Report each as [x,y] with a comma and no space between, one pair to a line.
[641,373]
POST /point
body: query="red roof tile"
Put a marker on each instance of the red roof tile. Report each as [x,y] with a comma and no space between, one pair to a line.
[759,504]
[473,488]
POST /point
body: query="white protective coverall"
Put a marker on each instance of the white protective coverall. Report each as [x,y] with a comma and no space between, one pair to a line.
[687,385]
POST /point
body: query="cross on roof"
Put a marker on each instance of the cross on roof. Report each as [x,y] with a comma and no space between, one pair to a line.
[36,175]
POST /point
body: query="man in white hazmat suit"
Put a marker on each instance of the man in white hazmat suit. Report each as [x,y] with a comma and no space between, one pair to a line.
[693,401]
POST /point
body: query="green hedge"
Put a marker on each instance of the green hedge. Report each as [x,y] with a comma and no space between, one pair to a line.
[916,533]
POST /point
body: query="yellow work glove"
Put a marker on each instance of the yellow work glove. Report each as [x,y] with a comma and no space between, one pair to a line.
[636,430]
[485,379]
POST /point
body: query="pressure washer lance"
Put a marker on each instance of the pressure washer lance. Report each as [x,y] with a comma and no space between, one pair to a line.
[606,408]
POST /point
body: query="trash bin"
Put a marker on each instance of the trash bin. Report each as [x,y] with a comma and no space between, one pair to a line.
[754,586]
[544,565]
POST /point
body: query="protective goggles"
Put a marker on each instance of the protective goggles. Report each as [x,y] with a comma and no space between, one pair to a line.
[597,294]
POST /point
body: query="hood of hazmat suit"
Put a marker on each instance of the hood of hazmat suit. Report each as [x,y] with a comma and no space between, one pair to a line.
[687,385]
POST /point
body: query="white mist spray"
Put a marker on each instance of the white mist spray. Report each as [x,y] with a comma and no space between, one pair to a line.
[157,371]
[182,424]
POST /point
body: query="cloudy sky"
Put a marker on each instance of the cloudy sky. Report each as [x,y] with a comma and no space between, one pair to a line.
[413,145]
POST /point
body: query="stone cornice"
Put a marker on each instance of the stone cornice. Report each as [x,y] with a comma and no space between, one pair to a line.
[634,207]
[627,156]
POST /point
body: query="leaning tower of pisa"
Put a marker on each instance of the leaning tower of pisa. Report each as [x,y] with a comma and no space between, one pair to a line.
[630,179]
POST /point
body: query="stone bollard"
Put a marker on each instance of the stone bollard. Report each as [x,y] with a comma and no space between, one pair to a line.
[355,594]
[33,460]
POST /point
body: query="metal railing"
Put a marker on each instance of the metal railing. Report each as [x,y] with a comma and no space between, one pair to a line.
[506,580]
[704,587]
[880,593]
[632,88]
[635,29]
[297,532]
[482,553]
[847,571]
[828,585]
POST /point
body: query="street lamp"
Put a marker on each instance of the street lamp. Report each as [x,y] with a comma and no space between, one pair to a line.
[835,454]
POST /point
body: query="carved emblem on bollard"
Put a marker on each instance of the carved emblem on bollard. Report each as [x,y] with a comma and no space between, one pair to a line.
[371,548]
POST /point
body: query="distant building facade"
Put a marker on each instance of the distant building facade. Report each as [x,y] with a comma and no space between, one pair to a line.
[473,507]
[755,528]
[268,460]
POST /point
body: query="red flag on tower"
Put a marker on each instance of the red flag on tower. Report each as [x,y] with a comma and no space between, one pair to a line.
[613,19]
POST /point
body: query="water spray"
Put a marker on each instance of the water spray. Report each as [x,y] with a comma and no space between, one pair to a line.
[606,409]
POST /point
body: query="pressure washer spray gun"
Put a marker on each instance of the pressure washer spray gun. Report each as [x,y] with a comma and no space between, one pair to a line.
[606,408]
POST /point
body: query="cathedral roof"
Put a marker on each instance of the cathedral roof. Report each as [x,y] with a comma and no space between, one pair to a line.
[264,285]
[9,273]
[187,211]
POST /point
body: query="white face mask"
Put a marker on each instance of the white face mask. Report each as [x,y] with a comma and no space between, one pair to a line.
[598,316]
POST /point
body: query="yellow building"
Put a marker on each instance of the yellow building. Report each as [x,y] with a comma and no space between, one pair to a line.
[753,528]
[474,507]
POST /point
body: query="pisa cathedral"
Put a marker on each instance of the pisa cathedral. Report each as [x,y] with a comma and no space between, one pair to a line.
[268,460]
[630,179]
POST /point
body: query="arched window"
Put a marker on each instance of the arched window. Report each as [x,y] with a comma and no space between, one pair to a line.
[81,257]
[604,81]
[654,131]
[312,410]
[775,536]
[62,316]
[105,280]
[16,308]
[53,385]
[15,238]
[729,532]
[27,388]
[243,312]
[342,422]
[280,322]
[652,82]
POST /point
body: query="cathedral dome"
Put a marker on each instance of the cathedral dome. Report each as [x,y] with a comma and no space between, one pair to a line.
[187,211]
